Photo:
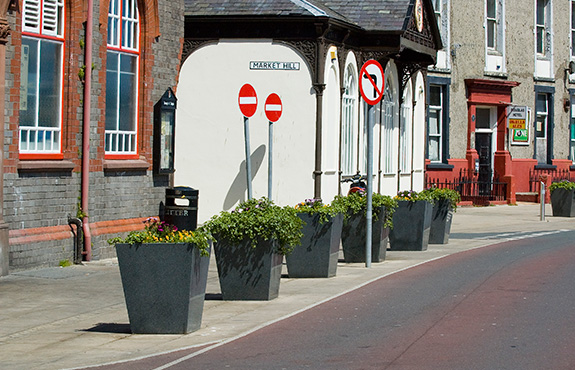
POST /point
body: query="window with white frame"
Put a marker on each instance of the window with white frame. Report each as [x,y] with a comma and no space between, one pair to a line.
[572,29]
[542,27]
[41,72]
[495,36]
[388,111]
[405,132]
[349,123]
[435,123]
[122,77]
[441,11]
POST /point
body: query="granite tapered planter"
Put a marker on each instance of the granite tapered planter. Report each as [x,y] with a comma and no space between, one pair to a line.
[563,202]
[318,253]
[441,218]
[353,236]
[164,286]
[247,272]
[411,226]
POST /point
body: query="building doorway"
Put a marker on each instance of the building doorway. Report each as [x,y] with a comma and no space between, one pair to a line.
[485,136]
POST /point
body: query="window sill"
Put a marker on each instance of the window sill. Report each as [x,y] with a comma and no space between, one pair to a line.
[543,79]
[45,166]
[545,166]
[126,165]
[439,167]
[495,74]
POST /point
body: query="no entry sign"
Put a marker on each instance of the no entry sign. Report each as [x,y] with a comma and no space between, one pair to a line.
[371,82]
[273,107]
[248,100]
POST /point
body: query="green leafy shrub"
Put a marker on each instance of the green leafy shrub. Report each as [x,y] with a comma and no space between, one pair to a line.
[157,231]
[563,184]
[317,207]
[357,202]
[258,219]
[413,196]
[437,194]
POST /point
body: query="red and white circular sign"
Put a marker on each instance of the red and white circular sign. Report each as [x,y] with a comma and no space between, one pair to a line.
[248,100]
[273,107]
[371,82]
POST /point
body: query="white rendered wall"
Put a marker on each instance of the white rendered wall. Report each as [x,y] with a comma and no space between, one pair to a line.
[419,133]
[210,149]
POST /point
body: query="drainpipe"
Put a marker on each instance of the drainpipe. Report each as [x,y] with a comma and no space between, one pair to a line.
[86,132]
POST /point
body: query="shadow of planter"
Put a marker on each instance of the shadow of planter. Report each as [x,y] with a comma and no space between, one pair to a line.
[353,237]
[411,226]
[164,286]
[441,218]
[318,253]
[563,202]
[248,273]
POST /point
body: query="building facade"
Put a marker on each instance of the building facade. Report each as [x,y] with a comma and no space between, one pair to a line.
[82,79]
[513,61]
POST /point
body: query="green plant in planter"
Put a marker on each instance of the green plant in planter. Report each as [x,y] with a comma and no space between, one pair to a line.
[563,184]
[317,207]
[413,196]
[357,202]
[437,194]
[156,231]
[258,219]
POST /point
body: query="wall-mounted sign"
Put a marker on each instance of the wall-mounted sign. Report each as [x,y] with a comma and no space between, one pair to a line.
[274,66]
[419,15]
[518,121]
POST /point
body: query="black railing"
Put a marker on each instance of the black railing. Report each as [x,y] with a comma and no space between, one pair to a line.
[481,189]
[554,174]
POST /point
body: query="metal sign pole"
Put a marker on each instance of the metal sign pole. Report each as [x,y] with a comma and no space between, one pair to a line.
[369,215]
[542,201]
[270,158]
[248,157]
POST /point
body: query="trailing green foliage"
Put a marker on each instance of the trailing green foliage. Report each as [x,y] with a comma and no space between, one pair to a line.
[563,184]
[357,202]
[317,207]
[437,194]
[157,231]
[258,219]
[413,196]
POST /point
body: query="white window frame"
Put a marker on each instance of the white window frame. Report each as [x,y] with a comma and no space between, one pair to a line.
[572,36]
[43,22]
[495,22]
[124,40]
[543,36]
[405,132]
[543,114]
[439,109]
[442,15]
[388,113]
[349,124]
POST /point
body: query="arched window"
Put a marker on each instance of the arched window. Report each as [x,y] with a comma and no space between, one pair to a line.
[122,77]
[405,131]
[349,122]
[388,107]
[41,77]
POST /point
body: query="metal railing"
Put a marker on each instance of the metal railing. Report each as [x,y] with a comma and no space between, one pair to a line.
[481,189]
[554,174]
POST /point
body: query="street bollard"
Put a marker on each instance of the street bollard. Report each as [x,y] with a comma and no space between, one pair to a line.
[542,200]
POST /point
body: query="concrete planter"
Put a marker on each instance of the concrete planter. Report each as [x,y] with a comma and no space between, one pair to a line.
[411,226]
[318,253]
[164,286]
[248,273]
[441,218]
[353,237]
[563,202]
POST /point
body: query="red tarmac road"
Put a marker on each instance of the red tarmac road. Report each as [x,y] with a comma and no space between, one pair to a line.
[507,306]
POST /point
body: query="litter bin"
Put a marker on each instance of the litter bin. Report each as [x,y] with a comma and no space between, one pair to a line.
[181,209]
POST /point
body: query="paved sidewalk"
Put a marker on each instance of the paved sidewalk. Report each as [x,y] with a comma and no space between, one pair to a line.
[74,317]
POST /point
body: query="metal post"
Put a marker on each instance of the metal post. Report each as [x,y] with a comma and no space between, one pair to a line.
[270,158]
[369,212]
[248,156]
[542,200]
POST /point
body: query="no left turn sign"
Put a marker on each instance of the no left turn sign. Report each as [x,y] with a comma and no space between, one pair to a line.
[273,107]
[371,82]
[248,100]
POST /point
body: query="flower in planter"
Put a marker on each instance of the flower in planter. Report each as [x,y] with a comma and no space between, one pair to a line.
[357,202]
[437,194]
[563,184]
[258,219]
[156,231]
[413,196]
[316,206]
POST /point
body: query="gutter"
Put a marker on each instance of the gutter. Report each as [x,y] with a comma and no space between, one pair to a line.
[86,133]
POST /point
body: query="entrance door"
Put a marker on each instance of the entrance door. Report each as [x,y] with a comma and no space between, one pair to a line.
[484,150]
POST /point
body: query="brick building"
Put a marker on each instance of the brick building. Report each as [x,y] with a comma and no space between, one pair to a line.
[78,144]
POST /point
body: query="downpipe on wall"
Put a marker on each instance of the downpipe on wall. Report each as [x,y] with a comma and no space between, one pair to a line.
[86,133]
